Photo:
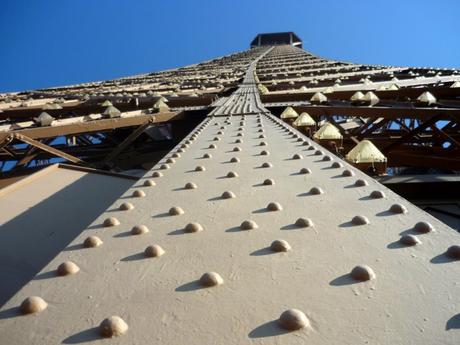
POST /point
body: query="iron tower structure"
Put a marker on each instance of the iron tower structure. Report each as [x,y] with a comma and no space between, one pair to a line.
[256,218]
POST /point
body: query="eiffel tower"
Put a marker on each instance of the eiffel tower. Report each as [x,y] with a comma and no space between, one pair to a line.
[246,199]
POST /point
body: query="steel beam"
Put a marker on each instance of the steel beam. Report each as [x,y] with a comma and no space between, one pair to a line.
[93,126]
[47,148]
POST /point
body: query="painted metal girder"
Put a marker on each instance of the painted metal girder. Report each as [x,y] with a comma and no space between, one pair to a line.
[218,203]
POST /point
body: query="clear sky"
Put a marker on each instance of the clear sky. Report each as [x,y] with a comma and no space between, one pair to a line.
[57,42]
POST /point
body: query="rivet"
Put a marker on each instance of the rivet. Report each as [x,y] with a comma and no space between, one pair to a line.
[267,165]
[164,167]
[453,252]
[234,160]
[207,155]
[274,206]
[299,139]
[216,139]
[238,141]
[232,174]
[310,148]
[212,146]
[297,156]
[139,230]
[262,136]
[236,149]
[157,174]
[280,246]
[113,326]
[336,165]
[293,319]
[126,206]
[175,211]
[193,227]
[362,273]
[377,194]
[180,150]
[153,251]
[171,160]
[228,195]
[249,225]
[269,182]
[111,221]
[409,240]
[222,127]
[316,191]
[240,135]
[211,279]
[200,168]
[175,155]
[327,158]
[138,193]
[92,242]
[306,143]
[67,268]
[318,153]
[398,208]
[188,142]
[33,304]
[360,220]
[361,183]
[220,133]
[348,173]
[190,185]
[264,153]
[305,171]
[149,183]
[423,227]
[260,130]
[263,143]
[303,223]
[184,146]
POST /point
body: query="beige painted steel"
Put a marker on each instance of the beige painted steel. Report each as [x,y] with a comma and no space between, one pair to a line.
[42,213]
[413,300]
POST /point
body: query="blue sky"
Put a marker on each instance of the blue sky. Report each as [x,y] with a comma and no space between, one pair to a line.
[57,42]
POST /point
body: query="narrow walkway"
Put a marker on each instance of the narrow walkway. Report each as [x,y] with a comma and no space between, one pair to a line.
[245,100]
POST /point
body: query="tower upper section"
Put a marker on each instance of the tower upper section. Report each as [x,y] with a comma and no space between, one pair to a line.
[276,38]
